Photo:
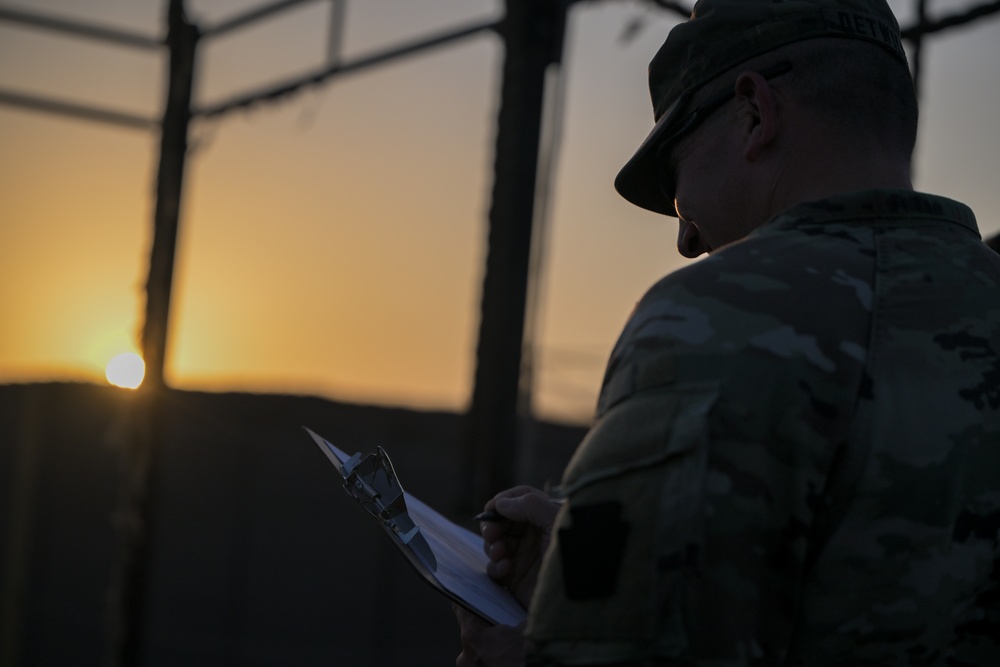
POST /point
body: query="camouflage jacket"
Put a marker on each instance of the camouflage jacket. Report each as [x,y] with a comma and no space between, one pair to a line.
[796,455]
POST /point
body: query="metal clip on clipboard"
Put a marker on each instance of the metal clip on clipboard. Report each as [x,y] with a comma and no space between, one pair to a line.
[372,482]
[457,565]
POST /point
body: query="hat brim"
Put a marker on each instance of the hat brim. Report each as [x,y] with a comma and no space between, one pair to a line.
[641,180]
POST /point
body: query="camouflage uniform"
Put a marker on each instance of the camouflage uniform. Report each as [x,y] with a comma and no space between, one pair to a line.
[796,456]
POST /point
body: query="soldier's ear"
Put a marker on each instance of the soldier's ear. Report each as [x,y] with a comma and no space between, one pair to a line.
[758,114]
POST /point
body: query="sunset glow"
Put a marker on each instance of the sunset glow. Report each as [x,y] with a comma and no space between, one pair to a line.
[333,242]
[126,370]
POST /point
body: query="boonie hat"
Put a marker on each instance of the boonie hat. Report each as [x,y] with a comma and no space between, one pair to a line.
[720,35]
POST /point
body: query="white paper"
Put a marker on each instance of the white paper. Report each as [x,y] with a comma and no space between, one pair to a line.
[461,562]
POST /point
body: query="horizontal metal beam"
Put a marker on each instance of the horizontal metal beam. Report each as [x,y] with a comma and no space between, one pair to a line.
[952,21]
[676,7]
[80,29]
[76,110]
[318,77]
[250,17]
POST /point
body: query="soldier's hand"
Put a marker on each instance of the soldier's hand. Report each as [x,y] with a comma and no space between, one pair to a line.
[516,544]
[488,646]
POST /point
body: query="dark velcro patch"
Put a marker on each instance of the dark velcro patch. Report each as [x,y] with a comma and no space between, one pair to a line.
[978,526]
[592,549]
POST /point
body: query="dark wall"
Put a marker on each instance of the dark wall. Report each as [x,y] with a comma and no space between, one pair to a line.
[257,557]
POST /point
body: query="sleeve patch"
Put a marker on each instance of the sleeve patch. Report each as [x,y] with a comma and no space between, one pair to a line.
[591,550]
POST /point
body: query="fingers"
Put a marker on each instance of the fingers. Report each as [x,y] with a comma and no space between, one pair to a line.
[521,490]
[497,550]
[524,504]
[482,644]
[494,531]
[500,570]
[500,566]
[515,545]
[470,626]
[470,633]
[534,508]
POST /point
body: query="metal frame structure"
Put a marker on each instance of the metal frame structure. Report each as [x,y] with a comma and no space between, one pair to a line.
[182,40]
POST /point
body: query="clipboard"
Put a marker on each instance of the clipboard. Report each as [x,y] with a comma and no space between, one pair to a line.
[447,556]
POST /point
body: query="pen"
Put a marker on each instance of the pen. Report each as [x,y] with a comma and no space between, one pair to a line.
[489,515]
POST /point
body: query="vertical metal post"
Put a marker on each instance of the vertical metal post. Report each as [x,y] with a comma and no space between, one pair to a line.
[533,32]
[182,40]
[128,595]
[19,531]
[335,37]
[916,61]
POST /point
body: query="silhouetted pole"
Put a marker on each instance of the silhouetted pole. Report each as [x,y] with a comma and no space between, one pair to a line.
[182,40]
[532,31]
[916,55]
[128,595]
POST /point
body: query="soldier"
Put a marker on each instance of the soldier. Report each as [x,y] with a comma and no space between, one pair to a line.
[796,453]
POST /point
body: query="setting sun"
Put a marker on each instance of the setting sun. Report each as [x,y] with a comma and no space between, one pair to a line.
[126,370]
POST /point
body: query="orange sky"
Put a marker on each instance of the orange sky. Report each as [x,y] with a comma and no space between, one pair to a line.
[333,243]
